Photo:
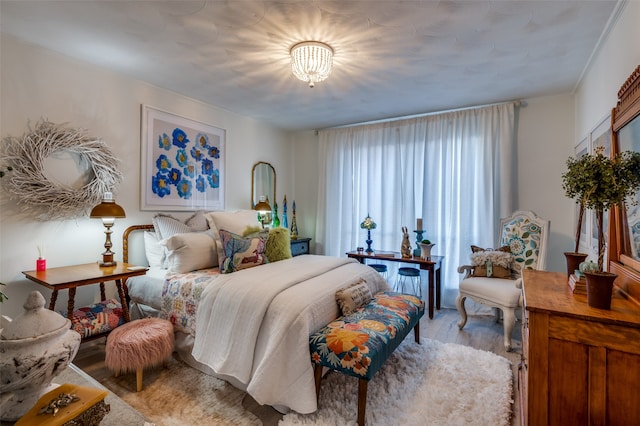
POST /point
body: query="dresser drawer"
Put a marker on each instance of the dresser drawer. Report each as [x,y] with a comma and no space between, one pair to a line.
[300,246]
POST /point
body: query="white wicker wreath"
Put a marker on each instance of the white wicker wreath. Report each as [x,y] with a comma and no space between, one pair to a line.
[45,200]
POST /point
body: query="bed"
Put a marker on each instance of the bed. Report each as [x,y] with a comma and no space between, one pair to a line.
[250,326]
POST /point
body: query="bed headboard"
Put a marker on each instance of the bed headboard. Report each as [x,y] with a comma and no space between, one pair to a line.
[133,244]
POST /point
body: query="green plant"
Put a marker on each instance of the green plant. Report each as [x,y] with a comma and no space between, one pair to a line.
[598,182]
[425,242]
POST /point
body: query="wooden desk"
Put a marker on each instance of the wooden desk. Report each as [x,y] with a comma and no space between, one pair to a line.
[432,266]
[71,277]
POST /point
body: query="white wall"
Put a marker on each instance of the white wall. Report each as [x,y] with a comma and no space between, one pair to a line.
[39,83]
[614,62]
[545,141]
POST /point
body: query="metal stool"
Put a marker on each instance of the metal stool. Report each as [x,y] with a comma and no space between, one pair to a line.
[412,275]
[382,269]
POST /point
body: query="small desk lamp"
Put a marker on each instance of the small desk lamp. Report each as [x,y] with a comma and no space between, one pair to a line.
[368,224]
[263,208]
[108,211]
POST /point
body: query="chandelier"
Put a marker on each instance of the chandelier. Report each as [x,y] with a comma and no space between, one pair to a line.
[311,61]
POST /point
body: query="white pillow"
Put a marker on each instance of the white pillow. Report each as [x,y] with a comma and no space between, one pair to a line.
[232,221]
[153,250]
[191,251]
[167,225]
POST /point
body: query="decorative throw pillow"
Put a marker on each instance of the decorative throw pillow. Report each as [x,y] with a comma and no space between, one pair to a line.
[353,297]
[166,225]
[278,245]
[231,221]
[191,251]
[242,252]
[492,263]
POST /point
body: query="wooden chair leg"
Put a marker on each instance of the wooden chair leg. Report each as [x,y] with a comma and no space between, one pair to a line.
[317,372]
[416,332]
[362,400]
[138,379]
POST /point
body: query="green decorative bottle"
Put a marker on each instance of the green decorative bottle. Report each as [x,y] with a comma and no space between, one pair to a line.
[275,223]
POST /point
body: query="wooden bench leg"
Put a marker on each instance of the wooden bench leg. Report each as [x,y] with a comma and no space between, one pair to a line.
[416,332]
[138,379]
[362,400]
[317,372]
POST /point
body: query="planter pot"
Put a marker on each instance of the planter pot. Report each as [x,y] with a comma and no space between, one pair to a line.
[599,289]
[425,250]
[573,261]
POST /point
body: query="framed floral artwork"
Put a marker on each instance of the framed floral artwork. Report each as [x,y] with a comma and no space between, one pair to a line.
[183,163]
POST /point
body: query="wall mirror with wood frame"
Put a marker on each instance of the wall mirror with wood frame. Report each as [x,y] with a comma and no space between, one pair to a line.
[263,183]
[624,231]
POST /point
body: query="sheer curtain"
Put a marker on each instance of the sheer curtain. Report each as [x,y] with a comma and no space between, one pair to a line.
[454,170]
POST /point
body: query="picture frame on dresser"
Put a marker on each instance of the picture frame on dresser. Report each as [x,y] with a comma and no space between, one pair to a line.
[182,163]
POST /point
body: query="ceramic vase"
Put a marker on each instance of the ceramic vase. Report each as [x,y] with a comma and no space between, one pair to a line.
[425,250]
[36,346]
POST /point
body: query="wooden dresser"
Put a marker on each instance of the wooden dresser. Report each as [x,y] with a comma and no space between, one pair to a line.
[580,365]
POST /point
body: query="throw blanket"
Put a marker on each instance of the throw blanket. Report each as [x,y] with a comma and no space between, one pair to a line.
[254,325]
[180,296]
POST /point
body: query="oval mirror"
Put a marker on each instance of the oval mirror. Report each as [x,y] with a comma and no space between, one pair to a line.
[263,182]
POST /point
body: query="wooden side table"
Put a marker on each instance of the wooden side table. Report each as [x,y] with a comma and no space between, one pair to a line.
[431,265]
[72,277]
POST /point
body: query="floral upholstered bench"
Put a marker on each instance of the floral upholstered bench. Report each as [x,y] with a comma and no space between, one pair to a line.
[359,343]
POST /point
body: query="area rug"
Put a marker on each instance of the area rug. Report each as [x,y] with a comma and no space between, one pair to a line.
[429,384]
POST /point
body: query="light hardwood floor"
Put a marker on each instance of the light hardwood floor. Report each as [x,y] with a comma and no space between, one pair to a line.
[480,332]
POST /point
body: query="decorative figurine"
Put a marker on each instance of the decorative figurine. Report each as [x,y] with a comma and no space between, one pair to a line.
[405,250]
[294,227]
[284,213]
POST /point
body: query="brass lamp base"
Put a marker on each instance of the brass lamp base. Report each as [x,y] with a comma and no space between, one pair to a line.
[107,259]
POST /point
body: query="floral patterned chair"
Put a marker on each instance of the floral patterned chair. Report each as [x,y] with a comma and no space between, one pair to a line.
[526,235]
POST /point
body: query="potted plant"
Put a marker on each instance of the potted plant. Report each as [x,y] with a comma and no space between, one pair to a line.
[598,182]
[425,249]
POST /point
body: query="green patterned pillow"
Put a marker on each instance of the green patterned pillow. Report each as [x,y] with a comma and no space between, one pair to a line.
[242,252]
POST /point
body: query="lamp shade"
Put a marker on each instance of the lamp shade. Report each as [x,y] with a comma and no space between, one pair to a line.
[262,207]
[107,208]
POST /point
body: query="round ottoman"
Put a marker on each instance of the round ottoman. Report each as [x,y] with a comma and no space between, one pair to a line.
[138,344]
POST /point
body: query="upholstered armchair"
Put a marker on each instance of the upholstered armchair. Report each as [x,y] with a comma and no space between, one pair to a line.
[526,235]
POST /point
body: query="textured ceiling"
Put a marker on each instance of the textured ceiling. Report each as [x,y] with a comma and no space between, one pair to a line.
[392,58]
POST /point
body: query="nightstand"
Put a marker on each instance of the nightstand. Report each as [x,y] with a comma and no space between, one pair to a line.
[71,277]
[300,246]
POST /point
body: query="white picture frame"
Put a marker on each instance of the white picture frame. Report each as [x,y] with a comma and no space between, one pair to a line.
[182,163]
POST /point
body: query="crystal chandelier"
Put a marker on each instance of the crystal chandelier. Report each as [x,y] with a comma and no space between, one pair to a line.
[311,61]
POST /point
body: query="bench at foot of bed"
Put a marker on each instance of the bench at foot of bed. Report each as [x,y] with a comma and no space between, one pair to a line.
[358,344]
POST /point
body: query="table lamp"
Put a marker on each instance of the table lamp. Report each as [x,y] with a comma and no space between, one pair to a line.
[263,208]
[368,224]
[108,211]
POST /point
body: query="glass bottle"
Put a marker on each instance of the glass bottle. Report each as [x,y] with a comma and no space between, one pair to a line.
[276,220]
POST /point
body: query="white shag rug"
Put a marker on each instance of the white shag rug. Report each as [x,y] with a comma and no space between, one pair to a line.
[429,384]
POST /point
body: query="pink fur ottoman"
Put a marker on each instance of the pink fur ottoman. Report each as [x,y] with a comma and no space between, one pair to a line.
[139,344]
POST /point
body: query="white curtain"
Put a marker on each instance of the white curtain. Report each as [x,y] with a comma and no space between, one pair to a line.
[455,170]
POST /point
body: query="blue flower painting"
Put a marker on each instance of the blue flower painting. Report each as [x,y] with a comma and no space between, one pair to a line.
[183,162]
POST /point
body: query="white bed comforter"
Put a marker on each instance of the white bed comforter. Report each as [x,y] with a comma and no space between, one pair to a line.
[254,325]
